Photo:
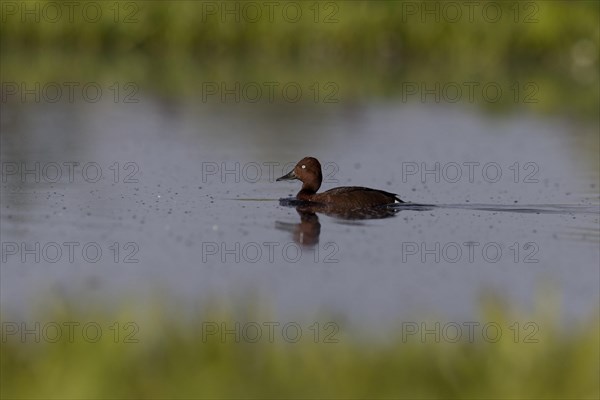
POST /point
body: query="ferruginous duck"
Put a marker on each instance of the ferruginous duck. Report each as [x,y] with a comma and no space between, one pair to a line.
[308,171]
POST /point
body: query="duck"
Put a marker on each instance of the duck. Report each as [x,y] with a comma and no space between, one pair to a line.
[308,171]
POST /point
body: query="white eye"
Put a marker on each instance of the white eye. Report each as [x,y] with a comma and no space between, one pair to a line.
[304,166]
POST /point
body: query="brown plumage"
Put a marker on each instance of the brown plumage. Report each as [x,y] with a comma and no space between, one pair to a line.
[308,170]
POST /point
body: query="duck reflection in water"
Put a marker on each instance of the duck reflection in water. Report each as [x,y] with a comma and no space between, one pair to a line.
[306,233]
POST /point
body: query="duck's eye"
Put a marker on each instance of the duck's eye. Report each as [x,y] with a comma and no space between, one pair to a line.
[304,166]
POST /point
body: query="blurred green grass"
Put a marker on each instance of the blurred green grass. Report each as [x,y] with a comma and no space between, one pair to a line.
[172,360]
[369,49]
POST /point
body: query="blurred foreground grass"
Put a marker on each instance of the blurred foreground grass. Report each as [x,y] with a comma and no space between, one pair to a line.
[172,359]
[369,49]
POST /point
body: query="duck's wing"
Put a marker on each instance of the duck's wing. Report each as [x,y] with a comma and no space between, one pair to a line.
[350,189]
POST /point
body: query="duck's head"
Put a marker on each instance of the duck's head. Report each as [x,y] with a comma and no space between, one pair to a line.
[308,170]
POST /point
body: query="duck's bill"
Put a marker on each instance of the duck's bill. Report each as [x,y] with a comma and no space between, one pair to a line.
[287,177]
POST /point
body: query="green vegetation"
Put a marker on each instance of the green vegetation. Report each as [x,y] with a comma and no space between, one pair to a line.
[369,49]
[173,359]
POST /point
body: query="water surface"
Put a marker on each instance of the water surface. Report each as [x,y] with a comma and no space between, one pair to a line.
[187,208]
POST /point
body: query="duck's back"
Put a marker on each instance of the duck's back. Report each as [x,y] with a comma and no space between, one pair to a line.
[356,196]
